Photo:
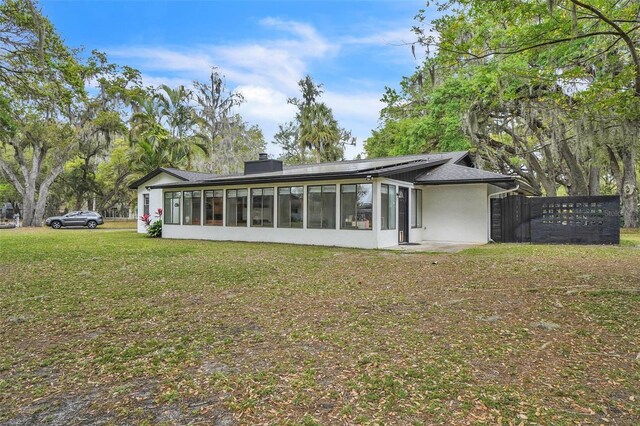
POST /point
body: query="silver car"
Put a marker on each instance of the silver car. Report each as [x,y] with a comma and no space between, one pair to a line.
[79,218]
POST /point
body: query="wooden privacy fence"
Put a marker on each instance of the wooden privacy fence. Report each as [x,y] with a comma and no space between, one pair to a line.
[556,220]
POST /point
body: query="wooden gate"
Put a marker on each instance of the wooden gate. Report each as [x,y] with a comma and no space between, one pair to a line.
[556,220]
[510,219]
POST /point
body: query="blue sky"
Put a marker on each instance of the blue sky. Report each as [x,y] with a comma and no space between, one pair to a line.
[262,47]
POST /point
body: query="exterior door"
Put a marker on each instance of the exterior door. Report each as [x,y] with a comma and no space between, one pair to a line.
[403,215]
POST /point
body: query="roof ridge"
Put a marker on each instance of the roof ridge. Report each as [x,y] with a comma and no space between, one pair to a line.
[363,160]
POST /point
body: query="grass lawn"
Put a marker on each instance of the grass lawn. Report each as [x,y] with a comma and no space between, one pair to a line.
[119,224]
[110,327]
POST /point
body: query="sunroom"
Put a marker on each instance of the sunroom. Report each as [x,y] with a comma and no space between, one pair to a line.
[365,203]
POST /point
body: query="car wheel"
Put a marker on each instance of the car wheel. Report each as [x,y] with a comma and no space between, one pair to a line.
[92,224]
[56,224]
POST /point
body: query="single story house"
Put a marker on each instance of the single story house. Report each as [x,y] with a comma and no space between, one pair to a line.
[372,203]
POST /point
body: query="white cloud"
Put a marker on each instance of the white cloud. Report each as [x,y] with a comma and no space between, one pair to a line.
[163,59]
[266,103]
[394,37]
[266,72]
[155,81]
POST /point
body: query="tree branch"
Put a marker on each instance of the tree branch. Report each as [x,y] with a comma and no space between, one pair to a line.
[624,35]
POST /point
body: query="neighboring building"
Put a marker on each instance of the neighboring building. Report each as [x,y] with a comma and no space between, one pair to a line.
[374,203]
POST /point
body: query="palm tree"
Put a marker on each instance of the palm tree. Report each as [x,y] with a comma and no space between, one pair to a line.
[160,124]
[319,132]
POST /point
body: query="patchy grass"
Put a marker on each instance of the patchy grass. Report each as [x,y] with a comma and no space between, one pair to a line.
[630,238]
[117,328]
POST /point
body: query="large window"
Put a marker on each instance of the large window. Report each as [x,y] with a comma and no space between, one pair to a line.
[172,208]
[290,207]
[213,207]
[237,207]
[145,204]
[388,206]
[321,206]
[356,206]
[262,207]
[191,209]
[416,208]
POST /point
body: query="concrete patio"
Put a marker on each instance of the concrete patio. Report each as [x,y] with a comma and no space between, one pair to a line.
[435,246]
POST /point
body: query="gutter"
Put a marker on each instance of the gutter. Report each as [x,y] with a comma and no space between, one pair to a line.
[506,191]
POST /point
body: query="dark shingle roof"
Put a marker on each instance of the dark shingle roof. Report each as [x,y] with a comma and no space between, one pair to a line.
[184,175]
[189,175]
[373,163]
[454,173]
[426,169]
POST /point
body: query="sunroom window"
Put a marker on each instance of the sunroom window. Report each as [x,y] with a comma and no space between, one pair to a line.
[262,207]
[321,206]
[172,208]
[416,208]
[191,211]
[356,206]
[237,207]
[290,207]
[388,206]
[213,207]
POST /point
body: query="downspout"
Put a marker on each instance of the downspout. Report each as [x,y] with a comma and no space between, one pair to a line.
[506,191]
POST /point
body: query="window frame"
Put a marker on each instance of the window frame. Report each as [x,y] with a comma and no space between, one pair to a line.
[145,204]
[213,207]
[184,207]
[245,206]
[390,208]
[170,210]
[322,215]
[262,208]
[280,206]
[355,207]
[416,207]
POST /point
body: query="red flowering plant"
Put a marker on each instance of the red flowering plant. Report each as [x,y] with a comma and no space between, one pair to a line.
[154,230]
[146,219]
[153,224]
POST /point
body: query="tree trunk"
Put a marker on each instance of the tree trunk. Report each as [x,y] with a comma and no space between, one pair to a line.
[34,196]
[629,189]
[28,206]
[577,181]
[594,180]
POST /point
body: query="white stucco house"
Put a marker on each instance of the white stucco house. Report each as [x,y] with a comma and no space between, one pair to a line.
[373,203]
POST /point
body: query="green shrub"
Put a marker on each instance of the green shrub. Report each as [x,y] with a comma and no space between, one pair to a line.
[154,230]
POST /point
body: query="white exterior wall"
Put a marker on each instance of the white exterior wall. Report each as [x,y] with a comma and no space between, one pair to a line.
[450,213]
[155,196]
[456,213]
[359,238]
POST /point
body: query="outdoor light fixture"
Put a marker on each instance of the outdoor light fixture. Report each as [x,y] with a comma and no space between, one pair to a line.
[148,188]
[369,177]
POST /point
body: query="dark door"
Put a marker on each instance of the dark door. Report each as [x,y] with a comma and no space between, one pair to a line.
[403,215]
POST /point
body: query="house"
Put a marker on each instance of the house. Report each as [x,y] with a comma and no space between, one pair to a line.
[372,203]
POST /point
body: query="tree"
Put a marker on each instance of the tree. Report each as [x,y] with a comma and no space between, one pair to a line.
[549,89]
[288,140]
[421,118]
[314,127]
[159,126]
[98,121]
[221,133]
[238,143]
[41,81]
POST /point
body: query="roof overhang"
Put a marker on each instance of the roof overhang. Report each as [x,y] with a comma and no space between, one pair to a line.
[135,184]
[508,182]
[276,178]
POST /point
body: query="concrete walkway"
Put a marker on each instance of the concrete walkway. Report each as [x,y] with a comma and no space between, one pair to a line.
[433,246]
